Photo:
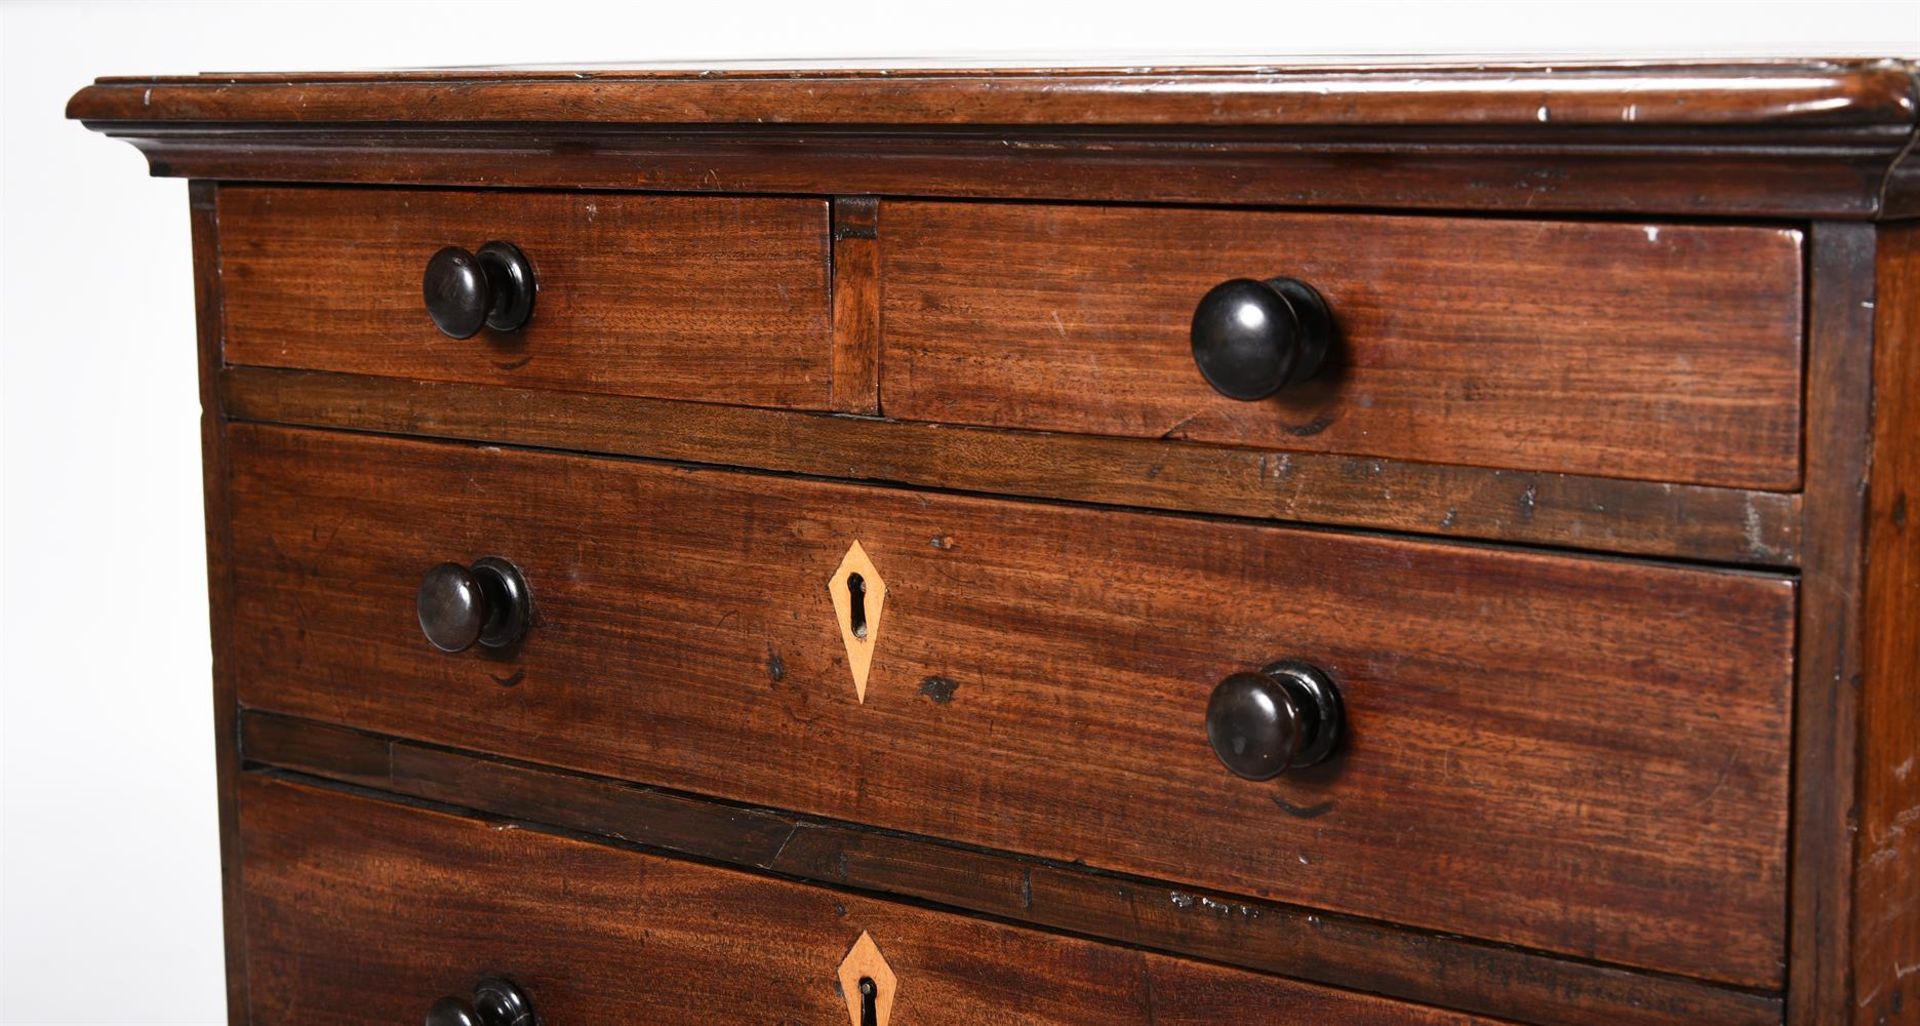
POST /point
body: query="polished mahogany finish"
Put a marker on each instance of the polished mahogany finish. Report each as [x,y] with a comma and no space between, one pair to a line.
[1727,525]
[465,291]
[1797,138]
[1284,716]
[707,298]
[1359,954]
[487,602]
[1651,351]
[1251,338]
[1550,419]
[686,613]
[347,896]
[1824,93]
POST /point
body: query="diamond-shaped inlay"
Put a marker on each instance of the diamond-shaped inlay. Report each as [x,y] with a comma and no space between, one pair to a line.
[859,596]
[865,965]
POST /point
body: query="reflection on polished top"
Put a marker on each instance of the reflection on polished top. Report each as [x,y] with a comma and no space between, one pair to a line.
[1378,91]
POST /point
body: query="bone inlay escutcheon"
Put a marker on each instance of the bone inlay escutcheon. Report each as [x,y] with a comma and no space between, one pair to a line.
[868,983]
[859,595]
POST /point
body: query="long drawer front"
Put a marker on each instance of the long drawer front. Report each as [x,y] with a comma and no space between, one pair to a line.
[362,912]
[1577,755]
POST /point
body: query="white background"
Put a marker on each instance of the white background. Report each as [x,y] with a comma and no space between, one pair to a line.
[109,890]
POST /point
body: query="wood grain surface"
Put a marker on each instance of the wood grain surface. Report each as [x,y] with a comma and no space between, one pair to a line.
[856,305]
[1886,928]
[718,299]
[1530,172]
[1841,312]
[1579,755]
[1443,970]
[1793,138]
[360,911]
[1725,525]
[207,296]
[1625,310]
[1660,352]
[1792,93]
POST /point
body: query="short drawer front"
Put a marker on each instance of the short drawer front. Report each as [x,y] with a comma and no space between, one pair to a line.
[1660,352]
[719,299]
[362,912]
[1583,756]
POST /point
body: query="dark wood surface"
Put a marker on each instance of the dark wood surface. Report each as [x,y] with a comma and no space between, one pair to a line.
[1886,925]
[360,911]
[856,305]
[1569,511]
[1605,825]
[1839,418]
[1783,138]
[208,303]
[1577,755]
[1531,172]
[720,299]
[1665,352]
[1792,93]
[1358,954]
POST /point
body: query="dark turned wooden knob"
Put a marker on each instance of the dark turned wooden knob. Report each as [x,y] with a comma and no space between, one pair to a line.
[487,602]
[493,287]
[496,1002]
[1252,338]
[453,1011]
[1283,717]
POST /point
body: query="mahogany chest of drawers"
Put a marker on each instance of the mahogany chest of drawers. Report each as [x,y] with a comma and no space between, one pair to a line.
[1083,547]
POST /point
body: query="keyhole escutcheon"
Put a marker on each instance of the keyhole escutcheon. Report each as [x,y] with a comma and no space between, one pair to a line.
[857,598]
[867,984]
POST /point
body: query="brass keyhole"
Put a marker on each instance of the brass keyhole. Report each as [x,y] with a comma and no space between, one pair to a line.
[869,993]
[857,593]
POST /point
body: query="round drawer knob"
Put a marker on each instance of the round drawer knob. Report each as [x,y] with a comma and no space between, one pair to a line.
[493,287]
[496,1002]
[453,1011]
[1252,338]
[1283,717]
[487,602]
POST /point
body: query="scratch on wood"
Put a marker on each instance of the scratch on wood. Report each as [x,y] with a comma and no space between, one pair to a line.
[1750,521]
[1312,427]
[773,861]
[1314,811]
[1719,781]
